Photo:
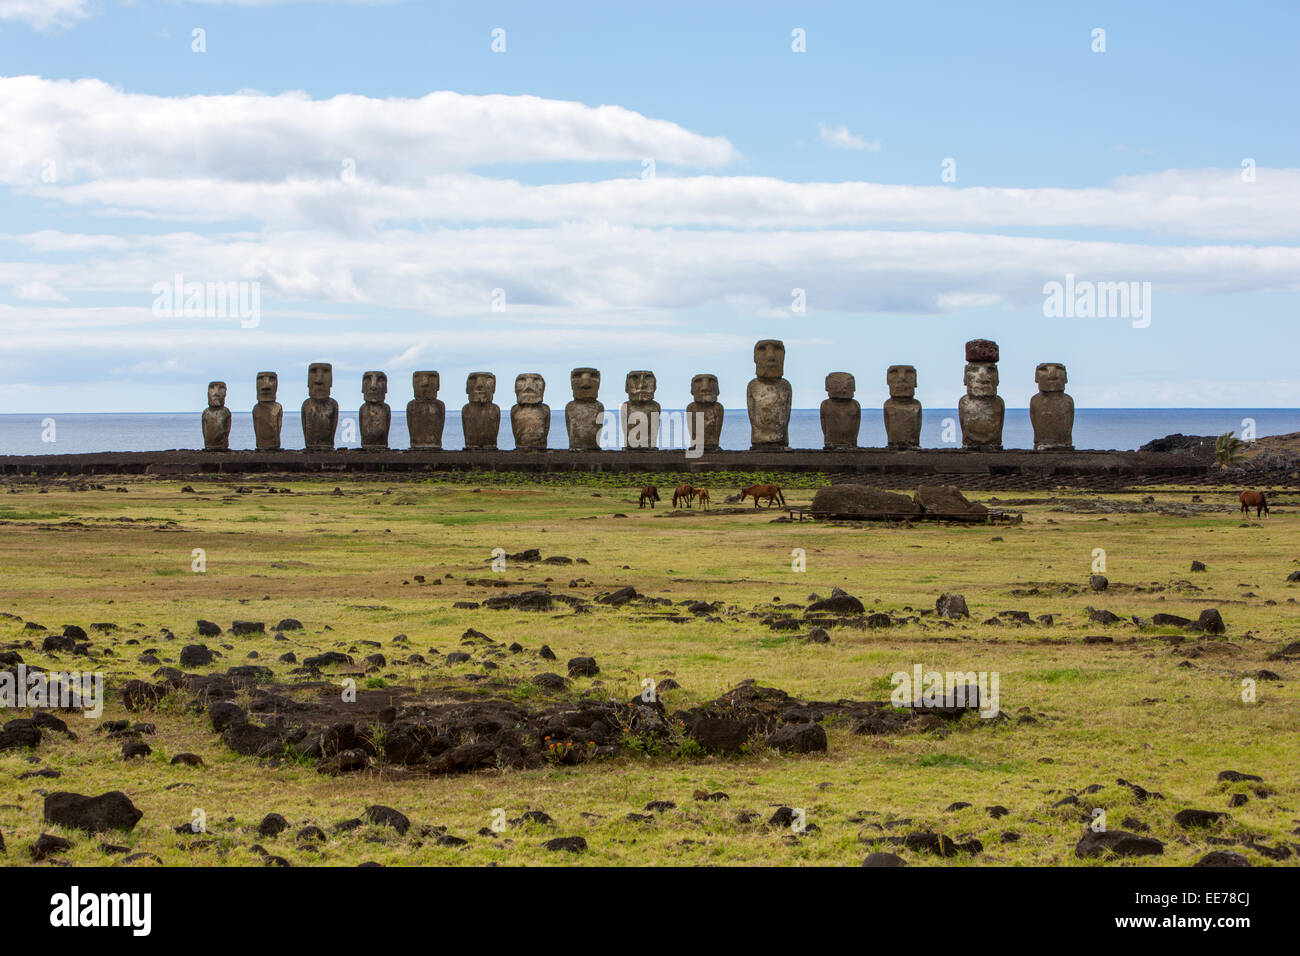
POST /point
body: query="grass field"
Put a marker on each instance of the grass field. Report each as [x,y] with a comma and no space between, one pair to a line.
[345,562]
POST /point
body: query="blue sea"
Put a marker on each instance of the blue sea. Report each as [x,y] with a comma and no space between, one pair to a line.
[1094,428]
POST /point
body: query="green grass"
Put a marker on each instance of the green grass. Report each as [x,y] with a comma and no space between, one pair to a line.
[339,563]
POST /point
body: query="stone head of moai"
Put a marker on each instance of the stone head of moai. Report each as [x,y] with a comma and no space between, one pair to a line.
[901,380]
[320,379]
[374,387]
[585,383]
[841,385]
[981,376]
[268,384]
[641,386]
[769,358]
[481,386]
[425,385]
[704,389]
[981,379]
[1050,377]
[216,394]
[530,388]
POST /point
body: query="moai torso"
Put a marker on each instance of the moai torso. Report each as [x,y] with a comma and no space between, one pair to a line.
[902,410]
[320,413]
[425,414]
[768,399]
[481,417]
[841,415]
[981,410]
[530,419]
[374,417]
[640,413]
[216,419]
[268,414]
[706,411]
[584,417]
[1051,411]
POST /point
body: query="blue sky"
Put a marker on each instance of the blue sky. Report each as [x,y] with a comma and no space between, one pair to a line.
[126,158]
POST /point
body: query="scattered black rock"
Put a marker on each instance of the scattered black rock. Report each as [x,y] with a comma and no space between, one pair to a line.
[583,667]
[387,817]
[1118,842]
[573,844]
[273,824]
[798,738]
[1198,818]
[951,606]
[195,655]
[1222,858]
[47,845]
[108,811]
[883,859]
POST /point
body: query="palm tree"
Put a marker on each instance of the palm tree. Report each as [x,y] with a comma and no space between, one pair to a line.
[1227,449]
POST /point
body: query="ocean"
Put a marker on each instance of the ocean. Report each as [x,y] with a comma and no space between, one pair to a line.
[1094,428]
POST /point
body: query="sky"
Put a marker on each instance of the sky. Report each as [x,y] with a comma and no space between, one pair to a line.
[520,187]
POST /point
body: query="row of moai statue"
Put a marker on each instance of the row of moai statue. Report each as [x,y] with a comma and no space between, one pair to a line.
[981,410]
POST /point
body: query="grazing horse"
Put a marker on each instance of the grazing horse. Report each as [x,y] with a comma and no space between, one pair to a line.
[1256,500]
[771,492]
[702,497]
[683,493]
[649,493]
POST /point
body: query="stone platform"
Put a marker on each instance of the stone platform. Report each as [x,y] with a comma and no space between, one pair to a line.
[954,465]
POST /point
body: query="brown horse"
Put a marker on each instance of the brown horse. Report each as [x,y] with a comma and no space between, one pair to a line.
[651,494]
[1256,500]
[683,493]
[771,492]
[702,497]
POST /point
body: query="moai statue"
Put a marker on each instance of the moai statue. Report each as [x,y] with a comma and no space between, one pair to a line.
[841,413]
[375,416]
[530,419]
[981,410]
[584,416]
[768,399]
[481,418]
[1051,411]
[216,419]
[902,410]
[425,414]
[704,389]
[640,413]
[320,413]
[268,414]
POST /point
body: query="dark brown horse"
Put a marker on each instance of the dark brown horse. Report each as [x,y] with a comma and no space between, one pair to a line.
[1256,500]
[702,497]
[771,492]
[649,493]
[683,493]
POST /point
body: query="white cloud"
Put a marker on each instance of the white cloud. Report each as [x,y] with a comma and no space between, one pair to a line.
[39,291]
[839,137]
[1206,203]
[397,264]
[88,130]
[584,269]
[44,14]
